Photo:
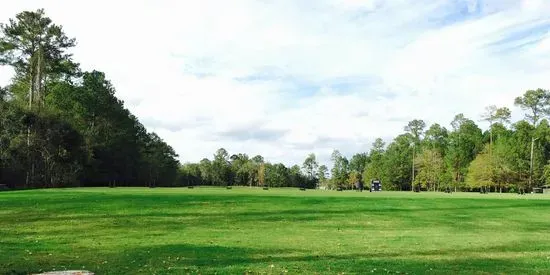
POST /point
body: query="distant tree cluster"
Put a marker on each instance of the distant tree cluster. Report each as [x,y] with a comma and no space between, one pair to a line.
[508,156]
[240,169]
[60,126]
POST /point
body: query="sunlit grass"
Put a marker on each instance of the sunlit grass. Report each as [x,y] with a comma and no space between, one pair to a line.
[214,230]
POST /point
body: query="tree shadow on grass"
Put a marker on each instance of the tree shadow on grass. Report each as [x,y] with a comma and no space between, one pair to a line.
[474,217]
[86,208]
[170,219]
[186,258]
[175,258]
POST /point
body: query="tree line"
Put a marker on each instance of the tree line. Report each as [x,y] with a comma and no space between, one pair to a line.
[60,126]
[240,169]
[507,157]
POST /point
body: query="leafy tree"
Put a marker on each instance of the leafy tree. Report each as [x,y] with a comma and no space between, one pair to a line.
[546,173]
[276,175]
[205,167]
[36,49]
[353,178]
[221,171]
[339,169]
[378,145]
[3,94]
[480,171]
[415,128]
[503,163]
[464,143]
[160,159]
[189,175]
[310,166]
[322,174]
[261,174]
[258,159]
[374,168]
[436,138]
[398,162]
[63,128]
[239,167]
[358,162]
[431,170]
[537,103]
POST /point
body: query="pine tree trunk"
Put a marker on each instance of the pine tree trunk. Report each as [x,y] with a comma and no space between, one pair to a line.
[31,93]
[38,78]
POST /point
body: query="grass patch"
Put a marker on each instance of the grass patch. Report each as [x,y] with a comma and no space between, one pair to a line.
[215,230]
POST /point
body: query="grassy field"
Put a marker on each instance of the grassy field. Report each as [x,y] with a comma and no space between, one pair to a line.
[278,231]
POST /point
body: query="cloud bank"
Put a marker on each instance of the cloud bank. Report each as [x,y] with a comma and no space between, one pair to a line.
[286,78]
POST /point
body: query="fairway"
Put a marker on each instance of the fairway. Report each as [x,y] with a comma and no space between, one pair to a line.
[276,231]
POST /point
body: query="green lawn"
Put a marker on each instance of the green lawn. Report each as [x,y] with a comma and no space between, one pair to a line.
[214,230]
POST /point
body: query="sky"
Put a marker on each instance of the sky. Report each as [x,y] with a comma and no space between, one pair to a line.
[285,78]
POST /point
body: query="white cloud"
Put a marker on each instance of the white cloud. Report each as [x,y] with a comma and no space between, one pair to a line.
[181,66]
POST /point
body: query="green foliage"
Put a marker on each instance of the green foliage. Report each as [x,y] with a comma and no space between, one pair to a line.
[221,170]
[310,166]
[397,163]
[36,49]
[358,162]
[322,173]
[239,169]
[464,142]
[416,129]
[340,169]
[536,102]
[431,168]
[63,128]
[481,171]
[436,138]
[375,167]
[546,174]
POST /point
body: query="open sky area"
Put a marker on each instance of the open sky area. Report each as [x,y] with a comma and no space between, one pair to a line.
[285,78]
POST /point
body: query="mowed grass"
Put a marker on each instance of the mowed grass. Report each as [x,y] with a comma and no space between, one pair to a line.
[276,231]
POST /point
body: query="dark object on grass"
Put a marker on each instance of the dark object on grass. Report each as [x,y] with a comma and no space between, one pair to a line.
[302,189]
[359,186]
[228,187]
[448,190]
[190,187]
[375,186]
[266,188]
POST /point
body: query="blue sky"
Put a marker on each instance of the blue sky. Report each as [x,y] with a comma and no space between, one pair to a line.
[285,78]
